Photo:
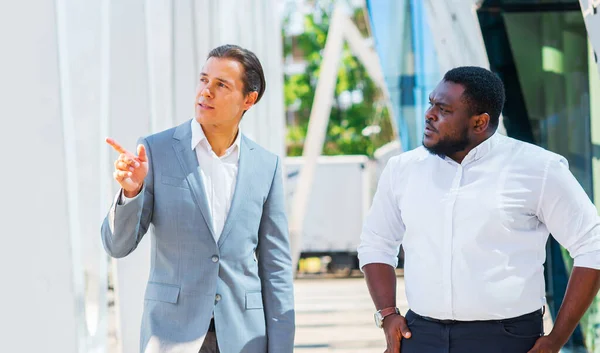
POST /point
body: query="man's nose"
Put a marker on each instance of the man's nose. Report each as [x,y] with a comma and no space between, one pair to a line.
[205,92]
[429,114]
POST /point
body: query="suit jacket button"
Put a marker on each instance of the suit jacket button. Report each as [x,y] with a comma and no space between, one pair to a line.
[218,297]
[215,259]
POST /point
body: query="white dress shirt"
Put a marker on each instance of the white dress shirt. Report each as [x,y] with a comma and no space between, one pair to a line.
[474,233]
[219,175]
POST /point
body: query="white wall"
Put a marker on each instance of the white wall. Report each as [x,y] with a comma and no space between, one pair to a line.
[45,233]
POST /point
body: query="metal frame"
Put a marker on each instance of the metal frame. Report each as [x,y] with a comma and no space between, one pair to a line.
[341,29]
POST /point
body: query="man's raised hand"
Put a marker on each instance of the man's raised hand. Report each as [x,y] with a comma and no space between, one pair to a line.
[130,170]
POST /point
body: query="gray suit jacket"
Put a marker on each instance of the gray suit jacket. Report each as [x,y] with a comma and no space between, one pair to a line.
[245,279]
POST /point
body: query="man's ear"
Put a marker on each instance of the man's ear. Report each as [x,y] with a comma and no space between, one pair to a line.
[482,122]
[250,100]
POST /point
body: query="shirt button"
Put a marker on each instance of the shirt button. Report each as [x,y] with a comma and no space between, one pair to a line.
[215,259]
[218,297]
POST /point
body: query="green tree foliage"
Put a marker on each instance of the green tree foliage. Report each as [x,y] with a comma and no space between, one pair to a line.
[347,121]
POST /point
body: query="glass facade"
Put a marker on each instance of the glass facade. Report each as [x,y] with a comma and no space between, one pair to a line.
[550,50]
[541,51]
[404,44]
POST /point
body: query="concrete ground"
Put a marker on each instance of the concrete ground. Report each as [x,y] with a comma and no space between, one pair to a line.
[332,316]
[336,315]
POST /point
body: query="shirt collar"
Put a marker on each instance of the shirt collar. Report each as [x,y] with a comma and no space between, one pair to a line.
[199,138]
[479,151]
[482,149]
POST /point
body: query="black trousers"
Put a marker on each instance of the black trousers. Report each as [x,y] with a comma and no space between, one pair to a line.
[515,335]
[210,344]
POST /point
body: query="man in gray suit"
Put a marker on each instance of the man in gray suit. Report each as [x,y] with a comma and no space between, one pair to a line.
[221,270]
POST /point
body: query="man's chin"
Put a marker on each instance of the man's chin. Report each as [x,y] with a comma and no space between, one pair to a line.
[432,147]
[203,119]
[428,142]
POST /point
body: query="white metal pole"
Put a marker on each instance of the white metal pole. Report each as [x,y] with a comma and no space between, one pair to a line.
[317,128]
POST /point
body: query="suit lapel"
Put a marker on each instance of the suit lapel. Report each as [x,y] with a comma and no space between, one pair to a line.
[189,163]
[243,185]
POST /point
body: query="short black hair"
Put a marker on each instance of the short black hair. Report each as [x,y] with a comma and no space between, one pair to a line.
[484,91]
[253,76]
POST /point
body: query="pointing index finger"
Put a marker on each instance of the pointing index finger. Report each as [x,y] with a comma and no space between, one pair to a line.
[116,146]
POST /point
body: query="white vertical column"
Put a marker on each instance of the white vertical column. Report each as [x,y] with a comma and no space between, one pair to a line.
[228,30]
[159,42]
[260,32]
[184,56]
[206,37]
[81,83]
[72,178]
[130,118]
[272,48]
[38,297]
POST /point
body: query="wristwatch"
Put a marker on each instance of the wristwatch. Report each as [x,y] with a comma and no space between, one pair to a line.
[383,313]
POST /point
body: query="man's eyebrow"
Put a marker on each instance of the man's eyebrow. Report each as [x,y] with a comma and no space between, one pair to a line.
[224,80]
[440,102]
[218,78]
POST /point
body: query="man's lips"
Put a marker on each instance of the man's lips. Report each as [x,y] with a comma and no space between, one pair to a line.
[205,106]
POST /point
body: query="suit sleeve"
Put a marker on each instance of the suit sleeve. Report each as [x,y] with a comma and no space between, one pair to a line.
[126,224]
[275,269]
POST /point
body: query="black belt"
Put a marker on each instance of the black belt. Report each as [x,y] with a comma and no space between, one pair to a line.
[211,327]
[449,322]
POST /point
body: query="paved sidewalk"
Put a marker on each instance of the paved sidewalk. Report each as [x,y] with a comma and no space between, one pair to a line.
[332,316]
[336,315]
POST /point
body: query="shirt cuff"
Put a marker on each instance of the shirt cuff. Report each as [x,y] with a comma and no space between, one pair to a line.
[124,200]
[377,258]
[589,260]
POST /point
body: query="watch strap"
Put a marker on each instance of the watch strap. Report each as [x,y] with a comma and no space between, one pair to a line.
[388,311]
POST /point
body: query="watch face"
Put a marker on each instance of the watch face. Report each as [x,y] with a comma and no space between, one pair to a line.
[378,320]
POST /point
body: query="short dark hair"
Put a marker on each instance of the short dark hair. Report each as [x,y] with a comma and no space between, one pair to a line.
[253,76]
[484,91]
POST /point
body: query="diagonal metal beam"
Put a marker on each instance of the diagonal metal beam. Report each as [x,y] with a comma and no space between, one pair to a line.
[341,29]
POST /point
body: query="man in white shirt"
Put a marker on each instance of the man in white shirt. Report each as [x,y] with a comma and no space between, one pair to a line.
[473,210]
[221,270]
